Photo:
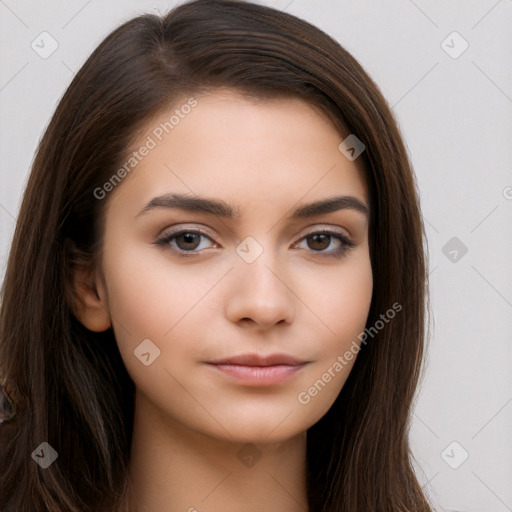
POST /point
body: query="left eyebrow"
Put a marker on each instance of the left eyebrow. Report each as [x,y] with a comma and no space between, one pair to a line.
[222,209]
[331,205]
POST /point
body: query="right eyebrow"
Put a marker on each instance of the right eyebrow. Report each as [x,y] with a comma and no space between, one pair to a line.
[191,204]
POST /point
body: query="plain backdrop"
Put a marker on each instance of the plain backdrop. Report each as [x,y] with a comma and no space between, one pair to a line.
[446,69]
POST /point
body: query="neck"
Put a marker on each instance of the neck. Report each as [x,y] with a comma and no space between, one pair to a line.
[173,468]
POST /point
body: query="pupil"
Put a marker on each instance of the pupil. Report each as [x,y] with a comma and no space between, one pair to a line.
[190,240]
[319,242]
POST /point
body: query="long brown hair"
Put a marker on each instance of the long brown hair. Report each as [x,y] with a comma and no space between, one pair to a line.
[69,384]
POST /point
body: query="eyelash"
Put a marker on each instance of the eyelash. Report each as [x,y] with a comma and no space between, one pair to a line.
[346,243]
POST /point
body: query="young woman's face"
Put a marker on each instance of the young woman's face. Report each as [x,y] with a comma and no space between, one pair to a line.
[217,247]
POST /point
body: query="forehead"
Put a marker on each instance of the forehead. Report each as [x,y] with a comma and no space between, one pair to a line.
[247,151]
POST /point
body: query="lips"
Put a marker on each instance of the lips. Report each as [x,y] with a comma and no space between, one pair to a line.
[258,370]
[260,360]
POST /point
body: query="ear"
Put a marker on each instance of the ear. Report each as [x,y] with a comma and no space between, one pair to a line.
[91,307]
[85,290]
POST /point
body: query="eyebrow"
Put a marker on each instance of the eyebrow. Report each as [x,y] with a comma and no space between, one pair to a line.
[223,209]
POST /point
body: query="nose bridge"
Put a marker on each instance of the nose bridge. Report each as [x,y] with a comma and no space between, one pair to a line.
[259,277]
[259,292]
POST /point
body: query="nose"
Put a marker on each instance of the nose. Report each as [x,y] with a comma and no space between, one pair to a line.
[259,296]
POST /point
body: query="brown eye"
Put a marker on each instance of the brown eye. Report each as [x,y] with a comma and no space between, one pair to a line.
[185,241]
[188,241]
[319,242]
[326,243]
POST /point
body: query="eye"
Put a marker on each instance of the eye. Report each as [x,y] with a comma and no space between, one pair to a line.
[326,243]
[185,241]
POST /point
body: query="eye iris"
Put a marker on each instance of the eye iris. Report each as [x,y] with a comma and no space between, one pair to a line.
[319,242]
[188,241]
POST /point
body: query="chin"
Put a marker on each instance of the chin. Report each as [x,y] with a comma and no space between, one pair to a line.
[266,430]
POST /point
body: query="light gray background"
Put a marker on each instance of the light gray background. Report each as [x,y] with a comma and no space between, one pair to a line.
[455,115]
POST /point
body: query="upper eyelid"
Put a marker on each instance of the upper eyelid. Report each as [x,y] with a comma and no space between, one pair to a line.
[179,228]
[176,230]
[316,228]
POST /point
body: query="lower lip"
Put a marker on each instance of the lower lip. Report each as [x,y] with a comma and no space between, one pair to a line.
[259,375]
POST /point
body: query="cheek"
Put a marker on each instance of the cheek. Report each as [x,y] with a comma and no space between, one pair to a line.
[176,308]
[341,304]
[159,302]
[339,298]
[147,291]
[351,310]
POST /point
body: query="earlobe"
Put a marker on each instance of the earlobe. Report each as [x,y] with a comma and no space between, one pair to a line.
[91,307]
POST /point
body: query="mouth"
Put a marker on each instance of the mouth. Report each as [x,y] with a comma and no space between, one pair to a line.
[259,370]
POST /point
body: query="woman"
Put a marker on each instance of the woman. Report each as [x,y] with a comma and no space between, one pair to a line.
[215,294]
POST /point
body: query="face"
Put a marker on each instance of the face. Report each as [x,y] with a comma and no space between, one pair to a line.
[235,267]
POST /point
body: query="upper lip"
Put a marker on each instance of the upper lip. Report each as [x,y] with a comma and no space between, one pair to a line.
[260,360]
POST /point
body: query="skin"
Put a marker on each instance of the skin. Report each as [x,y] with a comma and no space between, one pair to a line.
[265,159]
